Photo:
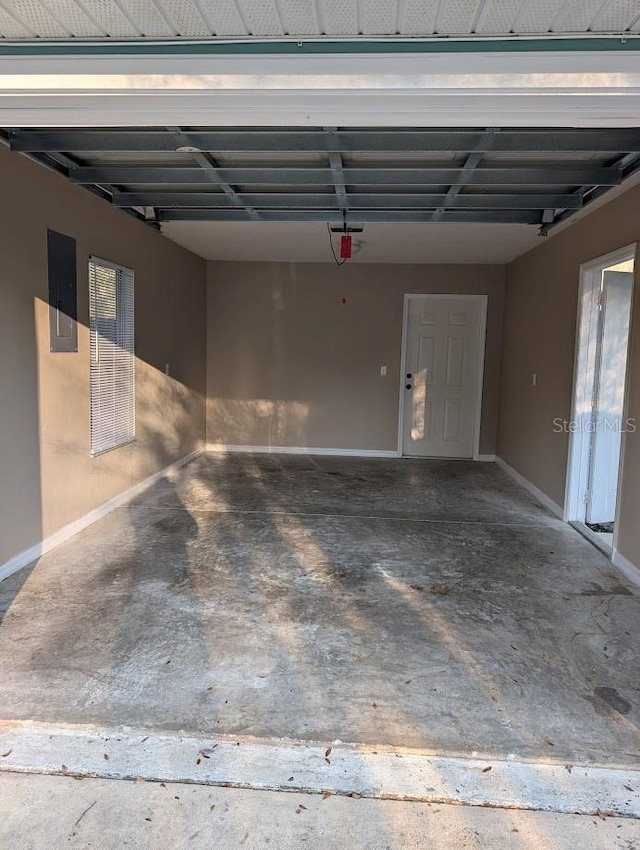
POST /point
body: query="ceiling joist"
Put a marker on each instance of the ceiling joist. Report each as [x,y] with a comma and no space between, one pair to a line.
[334,174]
[370,140]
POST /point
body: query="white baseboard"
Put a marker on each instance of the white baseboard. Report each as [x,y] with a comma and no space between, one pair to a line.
[627,567]
[22,559]
[535,491]
[485,458]
[298,450]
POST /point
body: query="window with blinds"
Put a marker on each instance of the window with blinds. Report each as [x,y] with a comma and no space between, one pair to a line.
[111,330]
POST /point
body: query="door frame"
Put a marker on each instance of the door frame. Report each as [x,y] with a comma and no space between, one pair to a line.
[483,300]
[580,393]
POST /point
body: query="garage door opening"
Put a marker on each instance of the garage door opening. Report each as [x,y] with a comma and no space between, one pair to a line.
[599,423]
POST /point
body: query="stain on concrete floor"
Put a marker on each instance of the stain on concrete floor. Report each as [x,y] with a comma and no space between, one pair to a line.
[430,604]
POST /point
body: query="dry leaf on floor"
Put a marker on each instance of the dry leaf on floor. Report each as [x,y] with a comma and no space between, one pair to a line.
[206,752]
[604,815]
[327,752]
[486,769]
[8,753]
[628,787]
[568,768]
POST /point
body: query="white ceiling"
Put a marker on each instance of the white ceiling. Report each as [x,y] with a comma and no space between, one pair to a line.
[273,18]
[381,243]
[435,242]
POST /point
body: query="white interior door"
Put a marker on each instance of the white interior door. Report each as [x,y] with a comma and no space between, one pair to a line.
[606,423]
[444,353]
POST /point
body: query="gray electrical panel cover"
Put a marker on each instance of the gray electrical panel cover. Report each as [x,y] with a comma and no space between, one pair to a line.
[63,292]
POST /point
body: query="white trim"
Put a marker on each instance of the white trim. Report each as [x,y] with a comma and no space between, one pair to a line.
[593,538]
[547,501]
[574,507]
[528,89]
[485,458]
[625,403]
[610,259]
[28,556]
[403,366]
[627,567]
[376,771]
[483,299]
[222,448]
[482,353]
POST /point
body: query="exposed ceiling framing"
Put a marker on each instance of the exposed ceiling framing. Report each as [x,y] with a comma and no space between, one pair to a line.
[488,175]
[196,19]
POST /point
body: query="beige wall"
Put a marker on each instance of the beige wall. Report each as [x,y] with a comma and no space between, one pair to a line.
[47,477]
[539,336]
[289,365]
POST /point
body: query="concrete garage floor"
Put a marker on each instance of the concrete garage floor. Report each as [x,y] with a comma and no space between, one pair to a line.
[152,816]
[426,604]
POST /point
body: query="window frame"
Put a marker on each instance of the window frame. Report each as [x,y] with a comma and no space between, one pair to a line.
[125,284]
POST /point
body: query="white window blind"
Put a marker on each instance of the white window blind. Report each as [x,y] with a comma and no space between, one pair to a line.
[111,327]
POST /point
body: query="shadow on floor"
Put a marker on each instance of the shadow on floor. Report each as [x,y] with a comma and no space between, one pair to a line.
[11,587]
[430,604]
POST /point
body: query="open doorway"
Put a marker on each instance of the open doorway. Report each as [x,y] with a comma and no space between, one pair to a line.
[598,423]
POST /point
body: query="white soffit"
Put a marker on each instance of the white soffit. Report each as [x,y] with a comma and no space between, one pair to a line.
[315,18]
[380,243]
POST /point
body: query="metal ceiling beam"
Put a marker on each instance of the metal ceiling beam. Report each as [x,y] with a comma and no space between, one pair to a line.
[358,217]
[473,161]
[210,169]
[337,171]
[628,164]
[343,141]
[543,176]
[303,200]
